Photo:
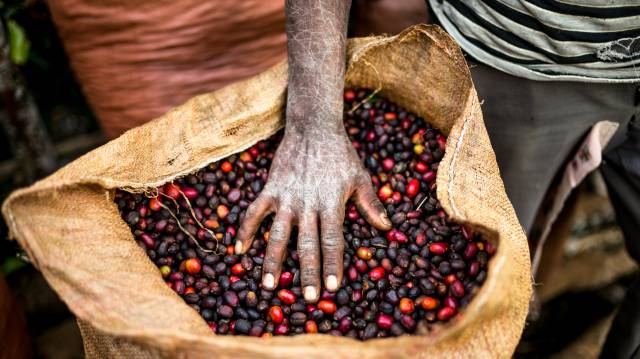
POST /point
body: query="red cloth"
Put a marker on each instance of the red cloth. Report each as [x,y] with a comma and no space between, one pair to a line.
[135,60]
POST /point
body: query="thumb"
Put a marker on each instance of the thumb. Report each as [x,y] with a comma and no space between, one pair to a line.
[370,206]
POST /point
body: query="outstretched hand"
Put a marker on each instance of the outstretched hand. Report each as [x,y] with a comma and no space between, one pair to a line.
[314,173]
[315,169]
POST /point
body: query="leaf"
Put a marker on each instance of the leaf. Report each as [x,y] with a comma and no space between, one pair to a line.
[11,264]
[18,43]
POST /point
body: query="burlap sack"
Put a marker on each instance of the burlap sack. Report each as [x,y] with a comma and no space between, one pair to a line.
[136,60]
[71,229]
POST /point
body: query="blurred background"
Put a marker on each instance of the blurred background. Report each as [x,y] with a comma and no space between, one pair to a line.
[46,123]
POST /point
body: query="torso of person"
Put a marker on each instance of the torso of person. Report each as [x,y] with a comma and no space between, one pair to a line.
[569,40]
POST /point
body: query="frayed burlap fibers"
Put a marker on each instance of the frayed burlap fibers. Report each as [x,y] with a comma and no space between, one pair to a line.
[70,227]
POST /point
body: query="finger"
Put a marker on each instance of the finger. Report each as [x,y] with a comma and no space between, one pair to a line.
[309,253]
[276,249]
[332,247]
[254,216]
[370,206]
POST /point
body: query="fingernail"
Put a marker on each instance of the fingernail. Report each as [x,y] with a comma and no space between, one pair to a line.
[310,294]
[332,282]
[267,281]
[238,247]
[385,219]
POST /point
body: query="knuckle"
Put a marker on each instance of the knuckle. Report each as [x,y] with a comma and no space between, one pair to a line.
[332,237]
[364,180]
[333,208]
[361,207]
[375,204]
[286,211]
[276,236]
[309,274]
[277,233]
[331,264]
[242,233]
[263,202]
[333,247]
[246,230]
[270,262]
[252,210]
[259,202]
[307,245]
[369,205]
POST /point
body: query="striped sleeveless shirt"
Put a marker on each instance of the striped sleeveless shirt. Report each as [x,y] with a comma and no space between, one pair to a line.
[570,40]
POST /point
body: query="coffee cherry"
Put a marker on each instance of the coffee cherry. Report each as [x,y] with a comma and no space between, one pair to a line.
[376,274]
[349,95]
[192,266]
[226,167]
[442,142]
[237,269]
[222,211]
[364,253]
[327,306]
[422,167]
[286,278]
[286,296]
[276,315]
[385,192]
[446,313]
[413,187]
[429,176]
[172,190]
[190,193]
[406,305]
[388,164]
[384,321]
[438,248]
[155,204]
[419,273]
[282,329]
[429,303]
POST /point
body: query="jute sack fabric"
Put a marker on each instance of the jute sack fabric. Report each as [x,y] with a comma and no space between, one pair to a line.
[135,60]
[71,229]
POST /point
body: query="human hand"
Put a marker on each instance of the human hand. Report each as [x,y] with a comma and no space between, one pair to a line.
[314,172]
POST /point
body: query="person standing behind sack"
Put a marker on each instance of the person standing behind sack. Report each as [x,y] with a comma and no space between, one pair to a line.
[547,71]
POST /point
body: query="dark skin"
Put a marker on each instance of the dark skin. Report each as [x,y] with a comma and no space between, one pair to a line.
[315,170]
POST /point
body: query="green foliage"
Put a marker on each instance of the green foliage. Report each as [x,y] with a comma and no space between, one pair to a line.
[11,264]
[19,44]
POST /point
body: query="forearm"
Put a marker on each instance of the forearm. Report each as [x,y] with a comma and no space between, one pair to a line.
[316,168]
[316,33]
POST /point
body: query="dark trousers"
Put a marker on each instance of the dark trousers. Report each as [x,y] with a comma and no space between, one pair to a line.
[534,127]
[621,171]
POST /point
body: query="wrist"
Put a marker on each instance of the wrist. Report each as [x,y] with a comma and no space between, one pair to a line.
[317,117]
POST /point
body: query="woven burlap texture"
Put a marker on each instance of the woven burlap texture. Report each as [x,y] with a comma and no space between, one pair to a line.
[71,229]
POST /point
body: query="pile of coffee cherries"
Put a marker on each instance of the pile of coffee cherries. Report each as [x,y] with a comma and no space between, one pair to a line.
[404,281]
